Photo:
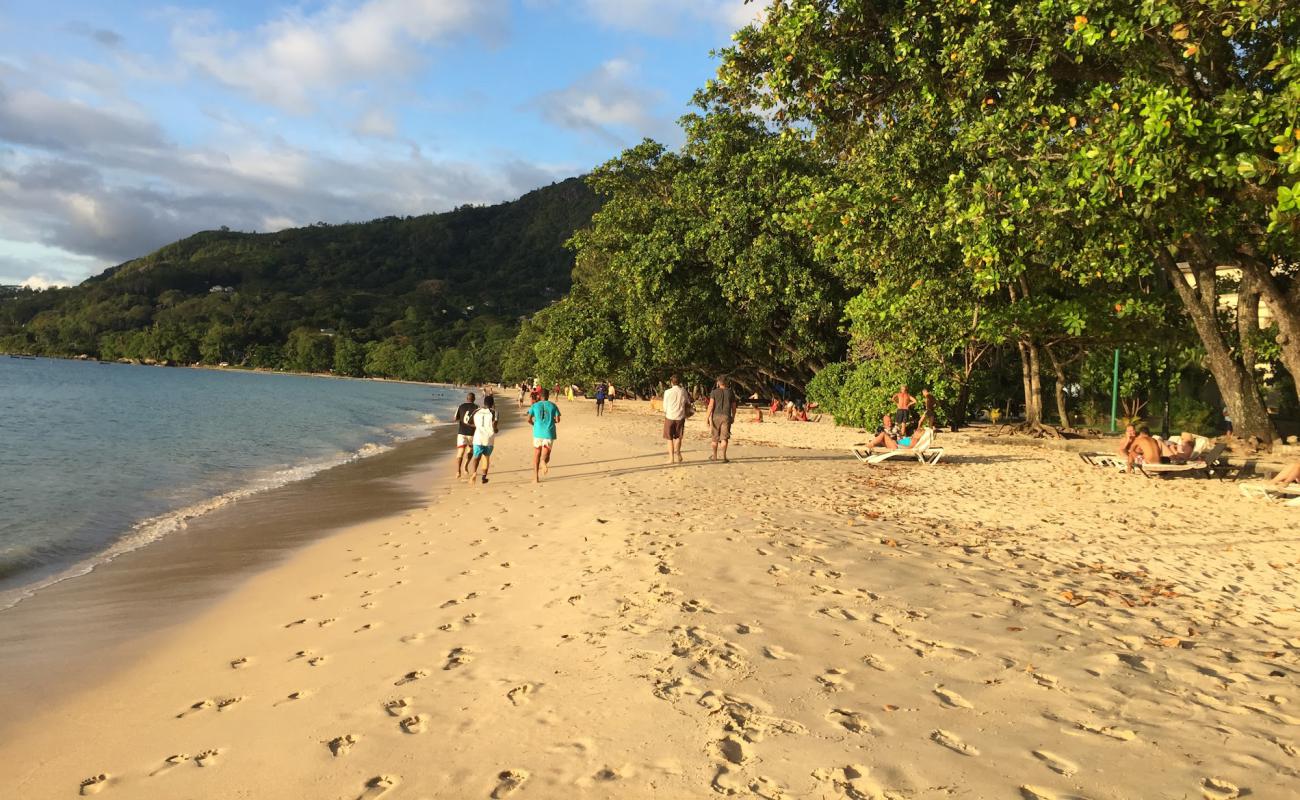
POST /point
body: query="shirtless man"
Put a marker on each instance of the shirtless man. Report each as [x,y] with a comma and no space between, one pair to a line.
[1144,450]
[903,414]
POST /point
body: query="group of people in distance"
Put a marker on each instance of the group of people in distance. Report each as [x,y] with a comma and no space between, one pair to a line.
[1139,447]
[896,430]
[477,429]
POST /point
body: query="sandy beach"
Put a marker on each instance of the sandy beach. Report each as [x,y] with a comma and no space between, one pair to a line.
[1008,623]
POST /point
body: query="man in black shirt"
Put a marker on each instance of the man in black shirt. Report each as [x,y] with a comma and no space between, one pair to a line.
[464,433]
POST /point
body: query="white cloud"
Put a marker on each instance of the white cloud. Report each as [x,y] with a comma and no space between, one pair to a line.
[667,17]
[94,201]
[605,102]
[376,122]
[42,281]
[288,61]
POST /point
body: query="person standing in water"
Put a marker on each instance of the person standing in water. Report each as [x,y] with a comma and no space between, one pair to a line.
[485,433]
[544,415]
[465,434]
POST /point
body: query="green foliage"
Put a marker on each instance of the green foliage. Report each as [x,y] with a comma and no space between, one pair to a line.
[1189,414]
[443,289]
[692,267]
[858,394]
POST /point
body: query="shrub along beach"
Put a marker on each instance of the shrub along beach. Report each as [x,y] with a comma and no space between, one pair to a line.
[1050,220]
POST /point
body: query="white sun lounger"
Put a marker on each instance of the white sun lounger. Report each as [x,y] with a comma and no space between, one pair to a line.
[1271,491]
[923,449]
[1198,462]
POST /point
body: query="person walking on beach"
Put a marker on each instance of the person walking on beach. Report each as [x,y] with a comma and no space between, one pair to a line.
[544,415]
[465,434]
[722,412]
[904,403]
[928,416]
[677,404]
[601,390]
[485,433]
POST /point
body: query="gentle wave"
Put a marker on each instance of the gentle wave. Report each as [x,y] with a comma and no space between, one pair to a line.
[151,530]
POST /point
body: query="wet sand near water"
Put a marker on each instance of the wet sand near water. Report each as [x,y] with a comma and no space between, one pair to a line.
[86,626]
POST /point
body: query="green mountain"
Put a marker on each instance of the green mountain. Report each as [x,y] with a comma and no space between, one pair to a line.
[434,297]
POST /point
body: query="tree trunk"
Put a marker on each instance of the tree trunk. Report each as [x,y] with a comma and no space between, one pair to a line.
[1030,377]
[1248,321]
[958,411]
[1059,369]
[1286,311]
[1240,394]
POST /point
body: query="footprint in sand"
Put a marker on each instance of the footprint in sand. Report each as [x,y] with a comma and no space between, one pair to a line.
[325,623]
[735,749]
[379,786]
[171,761]
[398,706]
[1036,793]
[318,597]
[340,745]
[207,758]
[851,721]
[413,675]
[509,782]
[833,680]
[94,784]
[316,661]
[199,706]
[411,638]
[222,705]
[1057,764]
[239,663]
[748,628]
[296,622]
[779,653]
[520,694]
[414,724]
[458,657]
[951,699]
[301,694]
[953,742]
[876,662]
[1219,789]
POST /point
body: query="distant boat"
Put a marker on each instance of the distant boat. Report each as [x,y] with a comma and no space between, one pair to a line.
[24,358]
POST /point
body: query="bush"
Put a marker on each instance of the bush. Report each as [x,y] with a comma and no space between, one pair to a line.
[1186,413]
[859,394]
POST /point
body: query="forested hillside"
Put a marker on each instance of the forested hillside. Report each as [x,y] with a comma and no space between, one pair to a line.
[434,297]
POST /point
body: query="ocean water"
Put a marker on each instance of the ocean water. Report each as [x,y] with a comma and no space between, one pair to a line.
[98,459]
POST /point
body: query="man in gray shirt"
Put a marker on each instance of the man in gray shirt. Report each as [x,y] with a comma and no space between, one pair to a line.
[722,412]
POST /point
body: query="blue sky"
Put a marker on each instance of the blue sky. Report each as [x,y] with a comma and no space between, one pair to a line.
[127,125]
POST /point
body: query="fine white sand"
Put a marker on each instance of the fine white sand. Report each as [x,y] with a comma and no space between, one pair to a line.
[1008,623]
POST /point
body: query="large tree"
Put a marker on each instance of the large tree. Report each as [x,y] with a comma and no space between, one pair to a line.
[1098,147]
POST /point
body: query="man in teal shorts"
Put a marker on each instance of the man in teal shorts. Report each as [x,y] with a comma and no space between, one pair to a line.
[543,414]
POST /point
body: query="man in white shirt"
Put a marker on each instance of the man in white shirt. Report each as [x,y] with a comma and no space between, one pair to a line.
[485,433]
[677,404]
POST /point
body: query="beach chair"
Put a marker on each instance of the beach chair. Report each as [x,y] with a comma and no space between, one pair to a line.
[923,448]
[1204,461]
[1271,491]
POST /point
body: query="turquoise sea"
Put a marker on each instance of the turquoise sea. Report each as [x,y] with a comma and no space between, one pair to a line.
[98,459]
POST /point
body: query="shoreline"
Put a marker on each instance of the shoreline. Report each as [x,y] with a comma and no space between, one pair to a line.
[254,370]
[1008,622]
[169,580]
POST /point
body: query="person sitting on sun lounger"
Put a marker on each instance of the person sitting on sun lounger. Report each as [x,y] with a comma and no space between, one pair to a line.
[1144,449]
[1130,433]
[888,436]
[1179,451]
[1290,474]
